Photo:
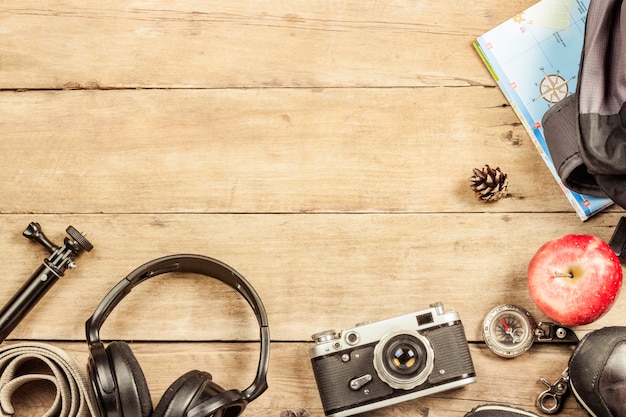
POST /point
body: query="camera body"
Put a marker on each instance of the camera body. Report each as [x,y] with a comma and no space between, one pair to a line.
[378,364]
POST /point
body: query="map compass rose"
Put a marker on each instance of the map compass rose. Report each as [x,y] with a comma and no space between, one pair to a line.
[553,87]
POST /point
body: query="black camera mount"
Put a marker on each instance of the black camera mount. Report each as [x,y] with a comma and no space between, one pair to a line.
[53,267]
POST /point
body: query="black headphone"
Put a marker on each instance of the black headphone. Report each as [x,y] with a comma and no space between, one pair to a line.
[117,381]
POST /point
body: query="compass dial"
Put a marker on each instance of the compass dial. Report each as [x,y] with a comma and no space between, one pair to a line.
[509,330]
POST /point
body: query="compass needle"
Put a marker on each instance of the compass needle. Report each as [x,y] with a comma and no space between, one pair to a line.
[506,326]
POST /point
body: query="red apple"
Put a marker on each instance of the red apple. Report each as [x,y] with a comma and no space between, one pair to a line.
[574,279]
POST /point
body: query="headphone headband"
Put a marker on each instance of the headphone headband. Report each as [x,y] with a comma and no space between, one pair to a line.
[197,264]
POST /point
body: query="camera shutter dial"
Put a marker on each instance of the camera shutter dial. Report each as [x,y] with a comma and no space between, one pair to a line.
[325,336]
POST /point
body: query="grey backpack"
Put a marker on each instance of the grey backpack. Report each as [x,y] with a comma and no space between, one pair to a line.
[586,132]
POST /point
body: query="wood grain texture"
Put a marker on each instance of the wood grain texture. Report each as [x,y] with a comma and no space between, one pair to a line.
[317,271]
[321,148]
[200,44]
[265,151]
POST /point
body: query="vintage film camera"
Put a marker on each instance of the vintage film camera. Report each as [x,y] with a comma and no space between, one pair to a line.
[379,364]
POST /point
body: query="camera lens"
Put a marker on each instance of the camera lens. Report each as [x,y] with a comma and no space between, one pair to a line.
[403,360]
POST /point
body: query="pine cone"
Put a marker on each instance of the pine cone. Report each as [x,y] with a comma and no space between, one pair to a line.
[489,184]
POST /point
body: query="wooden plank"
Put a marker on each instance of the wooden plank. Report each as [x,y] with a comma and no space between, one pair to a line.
[277,150]
[314,272]
[78,44]
[292,385]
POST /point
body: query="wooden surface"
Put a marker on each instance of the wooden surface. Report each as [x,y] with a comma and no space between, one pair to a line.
[321,148]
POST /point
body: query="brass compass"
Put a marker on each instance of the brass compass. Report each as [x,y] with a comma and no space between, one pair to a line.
[510,330]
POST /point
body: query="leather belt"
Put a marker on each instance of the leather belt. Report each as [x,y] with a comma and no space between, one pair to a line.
[48,363]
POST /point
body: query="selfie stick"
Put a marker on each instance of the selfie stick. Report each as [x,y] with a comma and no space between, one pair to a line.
[52,268]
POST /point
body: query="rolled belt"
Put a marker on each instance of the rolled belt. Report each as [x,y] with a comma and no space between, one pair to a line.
[72,398]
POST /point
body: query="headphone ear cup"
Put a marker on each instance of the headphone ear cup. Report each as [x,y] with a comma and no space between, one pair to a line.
[182,394]
[215,401]
[132,388]
[196,395]
[101,380]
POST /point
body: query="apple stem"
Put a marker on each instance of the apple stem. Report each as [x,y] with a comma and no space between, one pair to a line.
[563,274]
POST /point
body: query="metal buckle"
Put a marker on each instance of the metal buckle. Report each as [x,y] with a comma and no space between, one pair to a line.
[554,333]
[551,400]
